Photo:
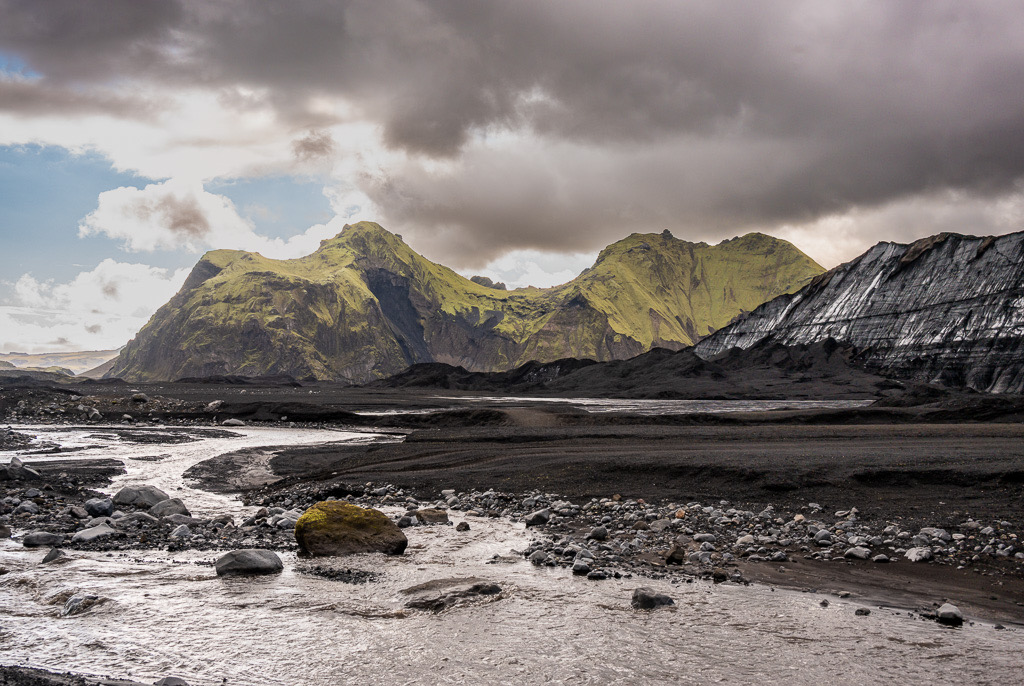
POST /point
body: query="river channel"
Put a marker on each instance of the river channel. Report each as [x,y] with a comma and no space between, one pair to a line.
[169,614]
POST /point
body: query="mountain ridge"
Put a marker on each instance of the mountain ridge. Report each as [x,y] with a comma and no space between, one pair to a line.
[365,305]
[946,309]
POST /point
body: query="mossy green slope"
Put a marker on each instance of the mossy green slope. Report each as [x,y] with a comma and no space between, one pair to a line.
[365,305]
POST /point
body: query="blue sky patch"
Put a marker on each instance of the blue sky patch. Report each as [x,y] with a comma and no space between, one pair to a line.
[278,206]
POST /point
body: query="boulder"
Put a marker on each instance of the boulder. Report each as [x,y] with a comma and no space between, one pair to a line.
[647,599]
[181,531]
[248,563]
[334,528]
[79,603]
[918,554]
[598,533]
[169,507]
[232,422]
[39,539]
[171,681]
[95,533]
[5,531]
[78,512]
[949,615]
[140,496]
[26,507]
[932,532]
[458,592]
[858,553]
[462,526]
[538,518]
[17,471]
[99,507]
[52,556]
[432,515]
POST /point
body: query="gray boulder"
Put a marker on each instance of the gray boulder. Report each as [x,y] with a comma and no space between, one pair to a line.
[5,531]
[26,507]
[598,533]
[538,518]
[79,603]
[39,539]
[647,599]
[17,471]
[78,512]
[141,495]
[169,507]
[95,533]
[918,554]
[232,422]
[181,531]
[248,562]
[431,515]
[99,507]
[949,615]
[858,553]
[932,532]
[52,556]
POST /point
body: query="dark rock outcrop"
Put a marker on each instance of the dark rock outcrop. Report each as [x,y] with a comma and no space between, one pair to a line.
[948,309]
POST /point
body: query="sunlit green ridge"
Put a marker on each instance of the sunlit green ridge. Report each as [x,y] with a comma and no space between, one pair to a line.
[365,305]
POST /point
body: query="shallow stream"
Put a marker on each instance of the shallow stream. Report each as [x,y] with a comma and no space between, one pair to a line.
[169,614]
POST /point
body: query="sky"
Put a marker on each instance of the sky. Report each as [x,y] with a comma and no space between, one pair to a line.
[508,138]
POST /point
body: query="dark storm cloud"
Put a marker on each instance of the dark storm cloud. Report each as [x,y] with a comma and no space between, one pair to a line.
[25,98]
[181,215]
[313,146]
[702,116]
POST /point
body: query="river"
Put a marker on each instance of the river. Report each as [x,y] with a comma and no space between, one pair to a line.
[169,614]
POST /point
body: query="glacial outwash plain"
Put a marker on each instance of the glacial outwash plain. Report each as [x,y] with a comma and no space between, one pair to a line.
[715,446]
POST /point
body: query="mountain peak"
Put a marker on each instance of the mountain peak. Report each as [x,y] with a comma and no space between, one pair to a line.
[365,305]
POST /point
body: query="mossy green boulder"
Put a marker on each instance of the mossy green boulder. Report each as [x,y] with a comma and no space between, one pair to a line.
[333,528]
[365,306]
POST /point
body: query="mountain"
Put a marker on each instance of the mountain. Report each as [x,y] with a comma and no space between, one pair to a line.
[365,306]
[76,362]
[947,309]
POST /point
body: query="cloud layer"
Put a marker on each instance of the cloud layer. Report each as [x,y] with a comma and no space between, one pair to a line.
[97,310]
[481,128]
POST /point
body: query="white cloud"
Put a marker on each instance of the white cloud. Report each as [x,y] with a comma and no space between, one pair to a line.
[97,310]
[178,214]
[521,268]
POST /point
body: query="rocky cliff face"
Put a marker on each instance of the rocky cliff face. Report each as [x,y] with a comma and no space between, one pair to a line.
[365,306]
[947,309]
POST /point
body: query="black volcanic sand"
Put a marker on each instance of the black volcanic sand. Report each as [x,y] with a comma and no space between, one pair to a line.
[936,471]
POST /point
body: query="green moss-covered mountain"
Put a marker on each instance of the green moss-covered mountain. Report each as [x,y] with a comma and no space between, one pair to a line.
[365,306]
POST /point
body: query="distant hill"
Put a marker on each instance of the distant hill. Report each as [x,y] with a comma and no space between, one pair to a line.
[823,371]
[365,306]
[76,362]
[948,309]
